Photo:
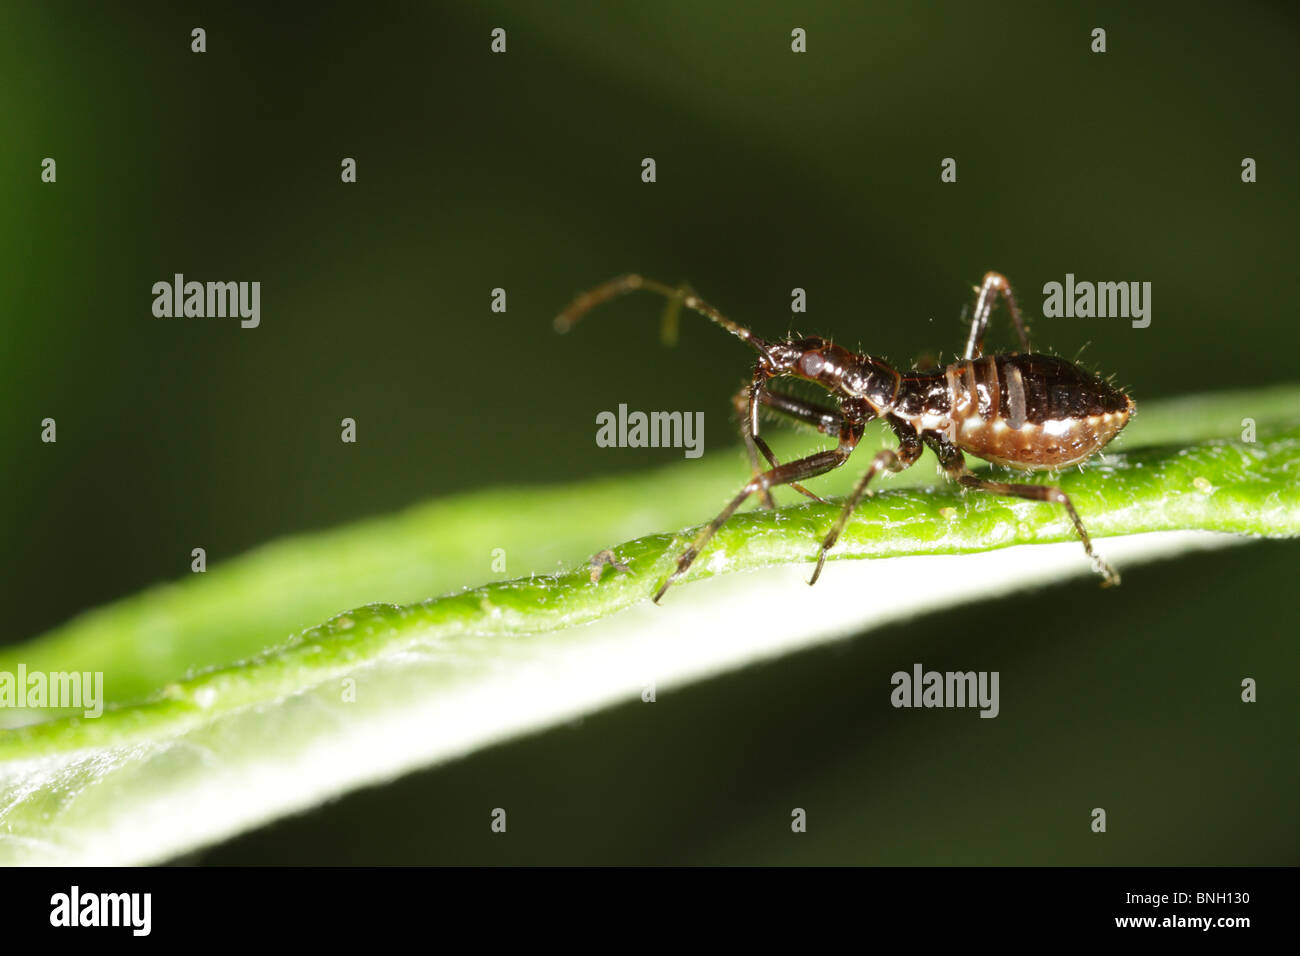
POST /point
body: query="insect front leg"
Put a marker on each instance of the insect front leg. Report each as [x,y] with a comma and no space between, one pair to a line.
[813,465]
[955,466]
[995,284]
[825,419]
[909,450]
[746,404]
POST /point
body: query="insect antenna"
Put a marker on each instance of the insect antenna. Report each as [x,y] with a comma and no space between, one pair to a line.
[622,285]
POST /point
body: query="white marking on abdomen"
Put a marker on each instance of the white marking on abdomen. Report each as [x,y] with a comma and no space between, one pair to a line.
[1015,398]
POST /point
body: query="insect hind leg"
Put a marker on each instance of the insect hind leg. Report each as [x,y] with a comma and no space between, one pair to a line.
[1054,495]
[955,466]
[995,284]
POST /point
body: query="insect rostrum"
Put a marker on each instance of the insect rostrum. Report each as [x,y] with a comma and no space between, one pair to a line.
[1026,411]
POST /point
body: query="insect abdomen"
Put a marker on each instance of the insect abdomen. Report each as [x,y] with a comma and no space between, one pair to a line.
[1032,412]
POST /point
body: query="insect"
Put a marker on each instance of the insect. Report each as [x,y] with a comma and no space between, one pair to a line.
[1022,410]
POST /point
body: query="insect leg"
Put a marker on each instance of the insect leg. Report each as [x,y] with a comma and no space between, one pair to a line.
[953,463]
[745,402]
[822,417]
[815,464]
[995,284]
[909,450]
[825,419]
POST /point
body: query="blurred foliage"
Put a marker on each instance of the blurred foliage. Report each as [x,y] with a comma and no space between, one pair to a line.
[152,779]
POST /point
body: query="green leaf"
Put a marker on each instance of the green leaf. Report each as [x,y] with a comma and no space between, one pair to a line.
[224,713]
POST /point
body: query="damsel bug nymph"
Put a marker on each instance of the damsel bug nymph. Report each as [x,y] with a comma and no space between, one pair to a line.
[1022,410]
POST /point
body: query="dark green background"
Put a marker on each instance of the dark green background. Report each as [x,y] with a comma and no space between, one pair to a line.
[775,170]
